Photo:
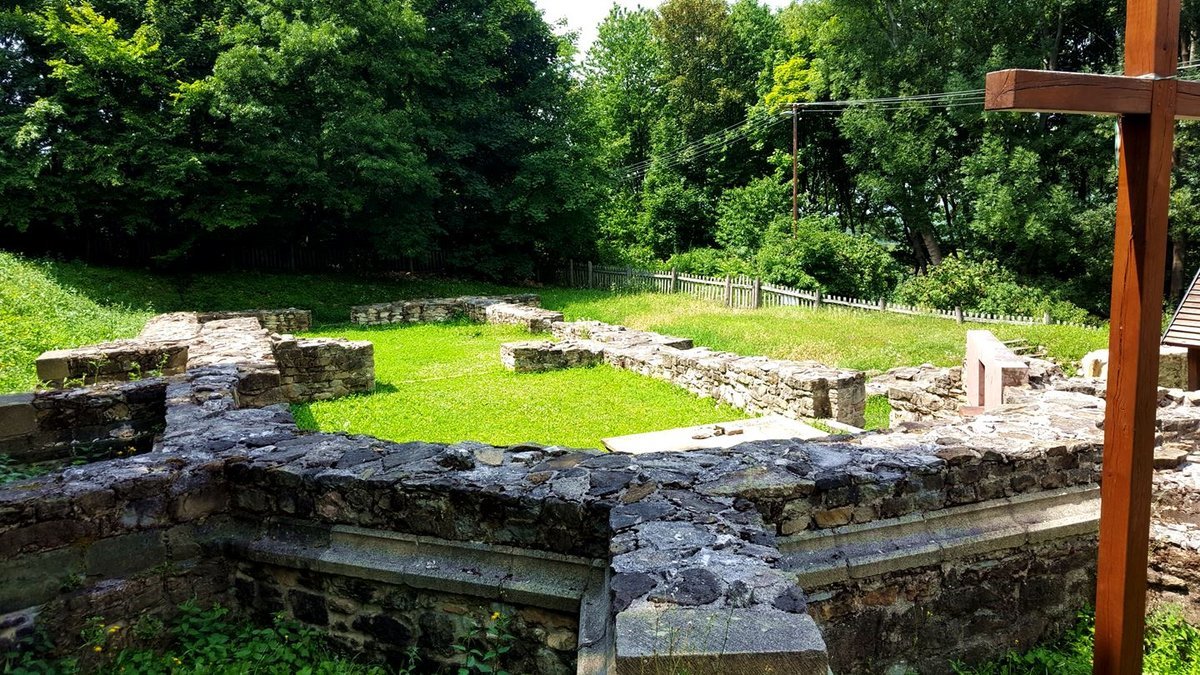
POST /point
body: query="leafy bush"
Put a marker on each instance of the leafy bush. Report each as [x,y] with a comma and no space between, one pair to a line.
[744,214]
[983,286]
[709,262]
[1172,648]
[199,641]
[821,255]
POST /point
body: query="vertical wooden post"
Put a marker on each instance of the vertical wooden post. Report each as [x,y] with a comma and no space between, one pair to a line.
[958,314]
[590,283]
[571,267]
[1139,262]
[757,295]
[1046,318]
[1193,367]
[728,291]
[883,304]
[674,280]
[817,299]
[795,169]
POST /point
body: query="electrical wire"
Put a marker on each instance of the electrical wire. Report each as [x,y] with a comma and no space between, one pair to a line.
[751,125]
[740,130]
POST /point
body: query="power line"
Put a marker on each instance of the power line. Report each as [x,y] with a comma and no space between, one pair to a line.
[740,130]
[743,129]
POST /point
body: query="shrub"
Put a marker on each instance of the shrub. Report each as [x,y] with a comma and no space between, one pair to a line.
[709,262]
[744,214]
[983,286]
[821,255]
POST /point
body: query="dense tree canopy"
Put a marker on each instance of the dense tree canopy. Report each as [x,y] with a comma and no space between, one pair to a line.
[401,126]
[175,128]
[1026,196]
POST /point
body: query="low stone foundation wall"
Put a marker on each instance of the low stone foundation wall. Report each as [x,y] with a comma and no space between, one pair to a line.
[533,319]
[274,369]
[756,384]
[111,362]
[617,336]
[934,541]
[91,422]
[921,393]
[542,355]
[281,321]
[436,310]
[317,369]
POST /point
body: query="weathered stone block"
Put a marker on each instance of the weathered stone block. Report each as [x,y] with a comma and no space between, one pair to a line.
[540,356]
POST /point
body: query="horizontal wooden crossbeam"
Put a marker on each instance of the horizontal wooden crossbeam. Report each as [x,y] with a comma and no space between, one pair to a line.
[1056,91]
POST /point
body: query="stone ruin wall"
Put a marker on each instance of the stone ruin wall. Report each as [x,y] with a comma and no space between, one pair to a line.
[683,537]
[520,309]
[89,423]
[235,504]
[755,384]
[275,368]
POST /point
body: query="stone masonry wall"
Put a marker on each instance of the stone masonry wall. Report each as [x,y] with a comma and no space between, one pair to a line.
[281,321]
[273,368]
[685,540]
[377,621]
[435,310]
[921,393]
[317,369]
[756,384]
[924,619]
[91,422]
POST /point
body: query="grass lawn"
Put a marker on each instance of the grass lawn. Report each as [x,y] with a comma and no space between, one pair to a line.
[52,305]
[444,383]
[862,340]
[48,305]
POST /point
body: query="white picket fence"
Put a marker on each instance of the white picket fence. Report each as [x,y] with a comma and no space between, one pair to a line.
[747,292]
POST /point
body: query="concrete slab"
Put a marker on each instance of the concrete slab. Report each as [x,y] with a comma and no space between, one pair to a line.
[718,641]
[713,436]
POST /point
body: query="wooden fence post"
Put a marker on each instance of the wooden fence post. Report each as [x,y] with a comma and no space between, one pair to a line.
[572,268]
[883,304]
[817,299]
[589,274]
[674,280]
[728,291]
[1046,318]
[958,314]
[757,297]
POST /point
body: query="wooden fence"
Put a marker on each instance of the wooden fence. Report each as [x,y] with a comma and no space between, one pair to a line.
[752,293]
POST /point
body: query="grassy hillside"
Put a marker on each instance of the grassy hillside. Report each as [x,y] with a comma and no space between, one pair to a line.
[48,305]
[51,305]
[863,340]
[37,313]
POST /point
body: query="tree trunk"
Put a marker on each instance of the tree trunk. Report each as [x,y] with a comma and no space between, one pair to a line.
[1178,252]
[918,249]
[931,246]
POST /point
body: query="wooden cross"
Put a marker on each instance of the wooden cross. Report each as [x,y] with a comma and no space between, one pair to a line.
[1148,99]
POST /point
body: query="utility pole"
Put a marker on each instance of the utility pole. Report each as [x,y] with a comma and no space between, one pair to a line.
[795,171]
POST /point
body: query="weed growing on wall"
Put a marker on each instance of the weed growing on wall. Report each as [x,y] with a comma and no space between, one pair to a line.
[1172,648]
[197,641]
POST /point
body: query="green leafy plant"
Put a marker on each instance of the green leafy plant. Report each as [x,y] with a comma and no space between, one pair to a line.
[486,645]
[199,640]
[1172,648]
[11,472]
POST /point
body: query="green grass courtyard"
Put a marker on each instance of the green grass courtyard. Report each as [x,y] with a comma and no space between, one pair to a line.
[444,383]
